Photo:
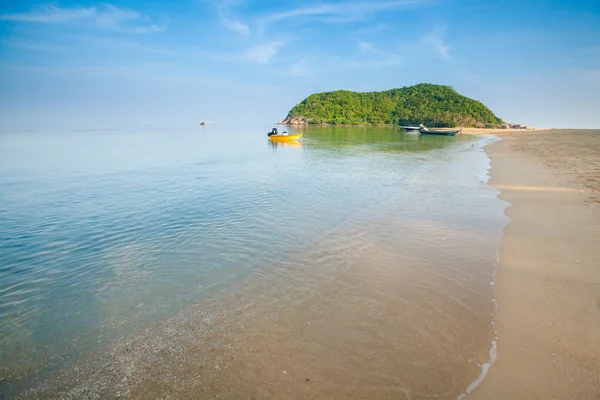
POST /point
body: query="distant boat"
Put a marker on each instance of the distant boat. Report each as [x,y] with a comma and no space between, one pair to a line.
[201,122]
[411,128]
[423,130]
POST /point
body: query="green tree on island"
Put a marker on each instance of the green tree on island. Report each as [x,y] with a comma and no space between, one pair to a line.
[432,105]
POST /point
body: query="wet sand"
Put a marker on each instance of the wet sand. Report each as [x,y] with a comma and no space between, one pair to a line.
[548,281]
[347,318]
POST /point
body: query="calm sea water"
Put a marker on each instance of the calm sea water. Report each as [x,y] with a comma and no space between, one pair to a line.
[103,233]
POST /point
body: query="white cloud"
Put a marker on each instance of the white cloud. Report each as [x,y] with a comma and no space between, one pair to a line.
[129,46]
[366,47]
[49,13]
[298,69]
[372,30]
[235,25]
[106,17]
[145,29]
[437,44]
[27,45]
[112,17]
[322,9]
[375,57]
[341,12]
[263,53]
[228,20]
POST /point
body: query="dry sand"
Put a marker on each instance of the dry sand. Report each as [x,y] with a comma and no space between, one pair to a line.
[548,281]
[496,131]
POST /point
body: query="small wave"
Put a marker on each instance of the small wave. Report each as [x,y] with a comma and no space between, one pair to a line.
[484,370]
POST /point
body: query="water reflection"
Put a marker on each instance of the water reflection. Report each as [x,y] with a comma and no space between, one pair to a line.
[283,144]
[375,139]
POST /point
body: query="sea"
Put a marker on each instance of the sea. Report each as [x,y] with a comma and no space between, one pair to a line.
[210,262]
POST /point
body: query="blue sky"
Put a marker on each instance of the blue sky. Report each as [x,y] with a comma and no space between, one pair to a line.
[111,64]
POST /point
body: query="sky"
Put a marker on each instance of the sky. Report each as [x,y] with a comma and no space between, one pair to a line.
[88,65]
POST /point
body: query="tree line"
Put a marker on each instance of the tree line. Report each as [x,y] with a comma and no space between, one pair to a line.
[429,104]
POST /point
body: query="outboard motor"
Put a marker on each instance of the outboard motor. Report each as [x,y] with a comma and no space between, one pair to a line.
[273,132]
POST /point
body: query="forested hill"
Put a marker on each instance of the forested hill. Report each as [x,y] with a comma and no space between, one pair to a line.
[432,105]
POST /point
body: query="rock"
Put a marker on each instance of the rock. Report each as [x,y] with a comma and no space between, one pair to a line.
[298,120]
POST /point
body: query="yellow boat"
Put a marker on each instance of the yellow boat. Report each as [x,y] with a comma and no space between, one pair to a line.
[283,138]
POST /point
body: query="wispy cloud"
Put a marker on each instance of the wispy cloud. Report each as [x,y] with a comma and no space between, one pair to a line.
[374,57]
[153,73]
[263,53]
[341,12]
[366,47]
[436,42]
[106,17]
[372,30]
[117,19]
[128,46]
[48,13]
[228,20]
[28,45]
[368,57]
[299,69]
[235,25]
[100,44]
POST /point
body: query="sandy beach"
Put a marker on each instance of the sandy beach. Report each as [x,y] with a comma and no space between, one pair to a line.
[548,280]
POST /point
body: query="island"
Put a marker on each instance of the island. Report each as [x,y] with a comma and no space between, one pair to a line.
[424,103]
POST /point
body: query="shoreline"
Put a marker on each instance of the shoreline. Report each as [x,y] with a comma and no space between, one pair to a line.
[464,130]
[547,281]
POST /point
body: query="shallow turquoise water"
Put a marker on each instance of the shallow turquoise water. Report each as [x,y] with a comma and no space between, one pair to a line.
[102,232]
